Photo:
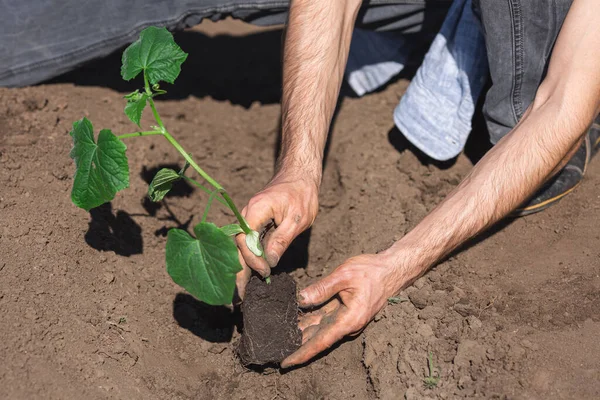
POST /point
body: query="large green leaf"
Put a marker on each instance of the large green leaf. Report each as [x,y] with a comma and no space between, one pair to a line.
[101,169]
[162,183]
[206,265]
[136,102]
[156,53]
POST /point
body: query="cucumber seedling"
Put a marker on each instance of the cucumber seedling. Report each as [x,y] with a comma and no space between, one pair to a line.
[204,265]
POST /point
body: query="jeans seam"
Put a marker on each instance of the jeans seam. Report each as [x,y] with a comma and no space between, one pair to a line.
[517,26]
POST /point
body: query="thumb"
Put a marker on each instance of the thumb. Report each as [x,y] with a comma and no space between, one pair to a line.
[278,240]
[321,291]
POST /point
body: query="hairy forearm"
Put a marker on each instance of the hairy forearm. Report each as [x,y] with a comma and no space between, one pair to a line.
[508,175]
[520,163]
[315,53]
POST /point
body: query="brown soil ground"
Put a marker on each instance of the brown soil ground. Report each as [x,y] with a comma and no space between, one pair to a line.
[88,310]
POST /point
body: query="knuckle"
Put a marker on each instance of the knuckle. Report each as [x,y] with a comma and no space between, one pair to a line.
[280,244]
[319,290]
[345,273]
[256,200]
[286,197]
[359,322]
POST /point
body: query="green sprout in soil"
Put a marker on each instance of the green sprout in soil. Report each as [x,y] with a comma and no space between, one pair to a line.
[396,300]
[431,381]
[205,265]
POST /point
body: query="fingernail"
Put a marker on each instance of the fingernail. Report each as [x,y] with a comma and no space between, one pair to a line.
[273,259]
[266,272]
[301,298]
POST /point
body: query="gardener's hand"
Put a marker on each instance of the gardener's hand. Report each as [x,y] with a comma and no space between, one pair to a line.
[291,202]
[362,285]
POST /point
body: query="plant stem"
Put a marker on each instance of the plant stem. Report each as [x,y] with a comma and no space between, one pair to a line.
[205,189]
[136,134]
[239,216]
[186,156]
[430,364]
[156,116]
[210,180]
[208,203]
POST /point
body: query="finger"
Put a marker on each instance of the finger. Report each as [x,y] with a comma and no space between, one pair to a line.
[311,330]
[279,240]
[241,280]
[323,290]
[258,215]
[324,338]
[315,317]
[256,263]
[309,320]
[309,333]
[331,306]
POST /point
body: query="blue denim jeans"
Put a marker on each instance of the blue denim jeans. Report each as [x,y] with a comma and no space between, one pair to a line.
[520,35]
[42,39]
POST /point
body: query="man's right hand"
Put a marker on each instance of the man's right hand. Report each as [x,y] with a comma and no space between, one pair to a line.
[292,203]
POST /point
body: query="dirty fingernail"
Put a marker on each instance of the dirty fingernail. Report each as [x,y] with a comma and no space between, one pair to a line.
[301,298]
[272,259]
[265,272]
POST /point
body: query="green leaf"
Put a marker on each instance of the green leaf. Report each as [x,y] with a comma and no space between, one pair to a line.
[232,230]
[162,183]
[205,266]
[253,243]
[155,53]
[136,102]
[102,168]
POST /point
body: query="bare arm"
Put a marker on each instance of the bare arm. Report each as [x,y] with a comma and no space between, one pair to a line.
[315,53]
[564,107]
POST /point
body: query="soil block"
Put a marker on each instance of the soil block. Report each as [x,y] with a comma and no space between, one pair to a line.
[270,315]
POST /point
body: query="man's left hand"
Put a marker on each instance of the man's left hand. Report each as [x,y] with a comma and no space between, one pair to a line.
[362,285]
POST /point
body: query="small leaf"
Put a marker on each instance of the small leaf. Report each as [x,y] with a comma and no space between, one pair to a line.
[133,95]
[206,265]
[155,53]
[253,243]
[162,183]
[102,168]
[185,167]
[136,102]
[232,230]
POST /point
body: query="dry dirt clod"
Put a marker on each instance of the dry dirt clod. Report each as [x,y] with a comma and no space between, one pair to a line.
[419,299]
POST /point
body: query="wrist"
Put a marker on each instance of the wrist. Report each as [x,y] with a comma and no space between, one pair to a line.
[407,263]
[296,169]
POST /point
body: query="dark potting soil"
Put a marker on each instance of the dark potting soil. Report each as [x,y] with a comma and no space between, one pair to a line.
[270,315]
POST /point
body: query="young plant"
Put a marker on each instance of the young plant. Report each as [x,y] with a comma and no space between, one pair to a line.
[204,265]
[431,381]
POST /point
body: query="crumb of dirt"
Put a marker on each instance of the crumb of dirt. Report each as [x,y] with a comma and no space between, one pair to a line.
[469,353]
[270,313]
[420,298]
